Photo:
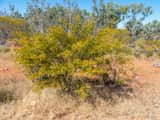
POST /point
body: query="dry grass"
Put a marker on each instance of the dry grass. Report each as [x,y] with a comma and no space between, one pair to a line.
[142,102]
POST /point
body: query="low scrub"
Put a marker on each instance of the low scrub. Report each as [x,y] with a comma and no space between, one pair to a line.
[147,47]
[4,49]
[12,29]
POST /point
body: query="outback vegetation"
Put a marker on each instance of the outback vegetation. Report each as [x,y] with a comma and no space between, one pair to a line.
[75,51]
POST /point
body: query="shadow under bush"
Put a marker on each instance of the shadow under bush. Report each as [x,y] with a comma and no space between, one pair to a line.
[110,92]
[6,96]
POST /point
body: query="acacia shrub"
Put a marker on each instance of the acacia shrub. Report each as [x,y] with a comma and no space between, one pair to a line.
[12,28]
[61,59]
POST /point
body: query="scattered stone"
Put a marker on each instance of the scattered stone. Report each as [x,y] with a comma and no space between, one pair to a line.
[156,64]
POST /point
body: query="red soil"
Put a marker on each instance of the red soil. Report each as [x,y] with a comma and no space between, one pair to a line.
[9,71]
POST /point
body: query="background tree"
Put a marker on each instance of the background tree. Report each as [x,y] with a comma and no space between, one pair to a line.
[151,30]
[36,16]
[3,13]
[108,14]
[13,12]
[136,15]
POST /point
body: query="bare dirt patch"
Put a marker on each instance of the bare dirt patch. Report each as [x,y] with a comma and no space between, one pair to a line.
[9,70]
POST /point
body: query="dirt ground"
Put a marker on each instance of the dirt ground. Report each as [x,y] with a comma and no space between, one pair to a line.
[9,71]
[143,102]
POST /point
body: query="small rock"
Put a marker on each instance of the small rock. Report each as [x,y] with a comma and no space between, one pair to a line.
[156,64]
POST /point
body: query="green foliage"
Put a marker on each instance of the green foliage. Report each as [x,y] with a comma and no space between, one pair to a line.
[41,17]
[61,59]
[136,14]
[151,31]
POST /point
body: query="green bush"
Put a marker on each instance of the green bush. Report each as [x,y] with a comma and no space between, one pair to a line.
[61,59]
[12,29]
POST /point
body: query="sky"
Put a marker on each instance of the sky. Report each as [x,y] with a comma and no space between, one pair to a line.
[20,5]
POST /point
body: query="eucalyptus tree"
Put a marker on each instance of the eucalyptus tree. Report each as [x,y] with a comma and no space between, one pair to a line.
[3,12]
[13,12]
[66,15]
[54,14]
[115,14]
[108,14]
[136,14]
[36,15]
[151,30]
[135,28]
